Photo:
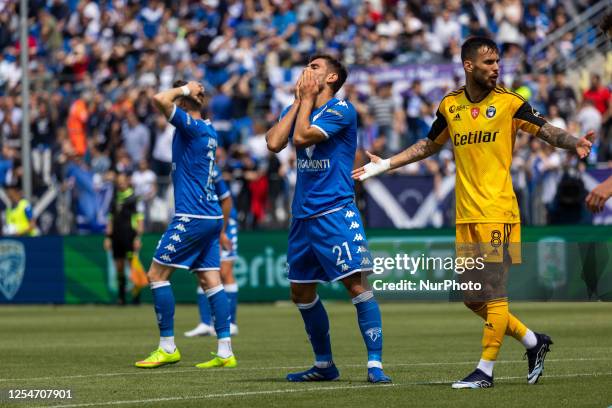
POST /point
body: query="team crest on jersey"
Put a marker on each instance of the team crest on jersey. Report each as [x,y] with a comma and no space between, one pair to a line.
[475,112]
[309,151]
[491,111]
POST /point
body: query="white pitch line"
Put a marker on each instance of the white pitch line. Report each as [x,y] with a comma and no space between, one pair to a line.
[239,369]
[296,390]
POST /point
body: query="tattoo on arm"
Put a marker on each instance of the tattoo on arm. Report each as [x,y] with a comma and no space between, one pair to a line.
[418,151]
[557,137]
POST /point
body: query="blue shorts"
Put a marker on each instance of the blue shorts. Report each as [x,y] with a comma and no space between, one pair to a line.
[232,234]
[328,248]
[190,243]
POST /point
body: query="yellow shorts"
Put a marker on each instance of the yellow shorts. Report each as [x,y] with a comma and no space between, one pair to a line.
[490,241]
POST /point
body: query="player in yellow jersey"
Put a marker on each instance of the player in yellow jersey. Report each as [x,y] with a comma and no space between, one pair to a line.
[481,121]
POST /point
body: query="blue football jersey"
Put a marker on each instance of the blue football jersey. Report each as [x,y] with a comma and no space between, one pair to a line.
[223,191]
[324,180]
[193,160]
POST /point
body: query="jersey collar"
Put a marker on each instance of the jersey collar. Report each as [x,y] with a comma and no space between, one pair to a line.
[470,99]
[331,102]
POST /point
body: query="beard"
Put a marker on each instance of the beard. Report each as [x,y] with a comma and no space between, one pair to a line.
[484,83]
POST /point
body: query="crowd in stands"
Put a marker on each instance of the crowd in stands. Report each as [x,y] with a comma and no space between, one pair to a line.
[94,65]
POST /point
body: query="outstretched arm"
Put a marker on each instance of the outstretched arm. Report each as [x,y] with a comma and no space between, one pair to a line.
[418,151]
[562,139]
[432,144]
[530,121]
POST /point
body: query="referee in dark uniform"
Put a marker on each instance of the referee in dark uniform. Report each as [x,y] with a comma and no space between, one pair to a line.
[123,230]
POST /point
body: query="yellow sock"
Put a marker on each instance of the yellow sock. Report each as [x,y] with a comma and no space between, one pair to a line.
[515,328]
[495,328]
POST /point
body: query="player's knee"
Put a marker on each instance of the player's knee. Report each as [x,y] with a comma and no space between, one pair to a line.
[300,297]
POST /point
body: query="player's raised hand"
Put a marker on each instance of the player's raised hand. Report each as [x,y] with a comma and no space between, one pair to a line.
[583,147]
[195,88]
[309,88]
[297,86]
[373,168]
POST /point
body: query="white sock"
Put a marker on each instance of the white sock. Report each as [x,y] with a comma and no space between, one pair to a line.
[167,344]
[374,363]
[529,340]
[322,364]
[486,367]
[224,347]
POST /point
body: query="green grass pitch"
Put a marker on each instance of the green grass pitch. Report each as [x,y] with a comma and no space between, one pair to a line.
[91,350]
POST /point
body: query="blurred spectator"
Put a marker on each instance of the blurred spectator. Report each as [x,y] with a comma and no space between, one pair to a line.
[562,96]
[77,122]
[382,107]
[598,94]
[19,218]
[555,118]
[416,105]
[136,138]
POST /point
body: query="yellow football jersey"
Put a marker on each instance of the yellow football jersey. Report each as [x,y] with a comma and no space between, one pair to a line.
[483,136]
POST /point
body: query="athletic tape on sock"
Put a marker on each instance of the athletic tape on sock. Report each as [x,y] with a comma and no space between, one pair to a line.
[308,305]
[231,287]
[363,297]
[159,284]
[213,291]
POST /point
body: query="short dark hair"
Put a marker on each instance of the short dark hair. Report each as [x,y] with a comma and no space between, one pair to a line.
[336,66]
[470,47]
[192,103]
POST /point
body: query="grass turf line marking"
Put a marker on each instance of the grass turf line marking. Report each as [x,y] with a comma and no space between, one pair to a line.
[296,390]
[239,369]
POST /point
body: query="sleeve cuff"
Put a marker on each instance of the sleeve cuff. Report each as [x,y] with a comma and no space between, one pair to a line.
[224,196]
[321,130]
[173,112]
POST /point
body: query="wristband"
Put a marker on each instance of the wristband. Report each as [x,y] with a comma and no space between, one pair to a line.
[185,90]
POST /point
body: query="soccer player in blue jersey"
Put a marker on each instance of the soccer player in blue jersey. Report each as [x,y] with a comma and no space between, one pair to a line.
[230,235]
[326,240]
[192,239]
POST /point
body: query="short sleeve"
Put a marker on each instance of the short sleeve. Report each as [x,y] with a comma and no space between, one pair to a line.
[332,121]
[528,119]
[439,129]
[183,122]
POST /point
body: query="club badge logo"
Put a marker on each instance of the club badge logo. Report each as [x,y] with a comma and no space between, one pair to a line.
[12,267]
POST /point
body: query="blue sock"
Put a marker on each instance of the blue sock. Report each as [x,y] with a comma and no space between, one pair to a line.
[316,323]
[231,290]
[219,306]
[204,307]
[370,324]
[163,300]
